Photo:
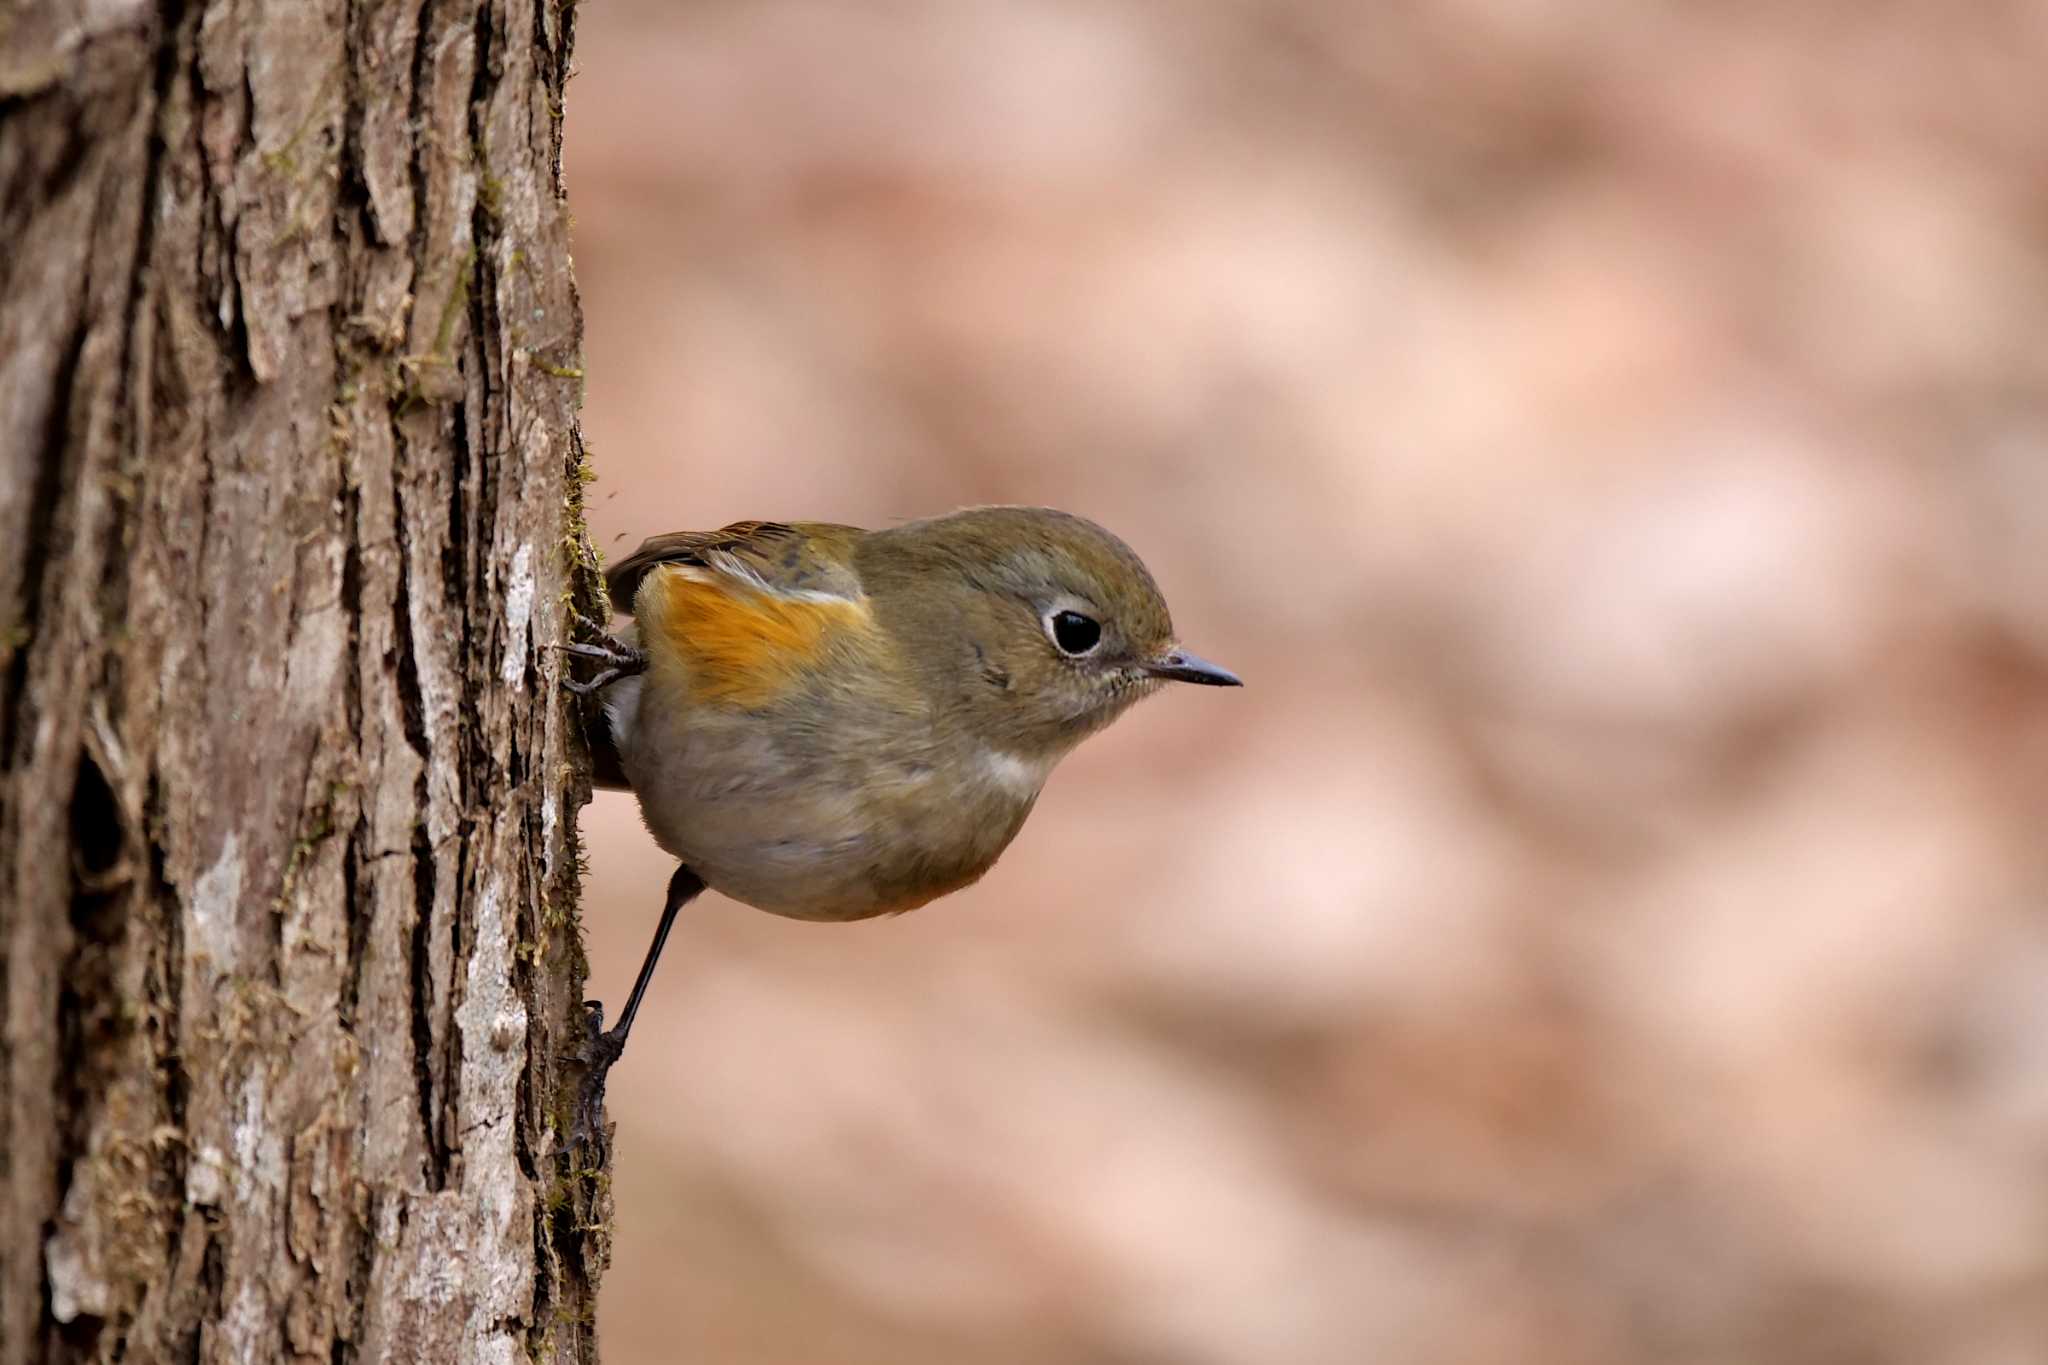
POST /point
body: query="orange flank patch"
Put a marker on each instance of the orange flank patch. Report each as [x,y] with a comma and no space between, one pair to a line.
[741,645]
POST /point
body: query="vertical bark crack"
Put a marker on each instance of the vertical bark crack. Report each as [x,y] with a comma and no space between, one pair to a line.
[45,500]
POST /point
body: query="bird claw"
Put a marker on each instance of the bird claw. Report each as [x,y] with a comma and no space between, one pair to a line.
[610,650]
[594,685]
[602,1046]
[625,661]
[600,1049]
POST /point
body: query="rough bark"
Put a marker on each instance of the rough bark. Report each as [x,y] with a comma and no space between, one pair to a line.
[289,522]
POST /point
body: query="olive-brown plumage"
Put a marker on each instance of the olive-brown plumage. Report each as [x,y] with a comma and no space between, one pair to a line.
[831,723]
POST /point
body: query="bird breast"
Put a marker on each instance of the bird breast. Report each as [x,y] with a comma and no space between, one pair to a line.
[825,820]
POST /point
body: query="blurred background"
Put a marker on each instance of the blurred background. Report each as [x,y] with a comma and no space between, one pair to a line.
[1612,442]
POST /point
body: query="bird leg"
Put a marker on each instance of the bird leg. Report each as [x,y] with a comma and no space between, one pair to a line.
[602,1047]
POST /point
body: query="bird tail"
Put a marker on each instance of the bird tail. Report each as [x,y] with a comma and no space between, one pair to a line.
[607,772]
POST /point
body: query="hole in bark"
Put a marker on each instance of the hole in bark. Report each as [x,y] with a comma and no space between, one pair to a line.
[213,1278]
[81,1335]
[96,834]
[99,867]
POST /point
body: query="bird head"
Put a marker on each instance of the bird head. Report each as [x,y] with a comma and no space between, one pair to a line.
[1032,628]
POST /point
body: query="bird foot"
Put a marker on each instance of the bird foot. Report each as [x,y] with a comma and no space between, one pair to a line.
[610,649]
[625,661]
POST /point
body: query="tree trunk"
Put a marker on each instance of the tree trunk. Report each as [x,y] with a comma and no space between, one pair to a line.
[289,522]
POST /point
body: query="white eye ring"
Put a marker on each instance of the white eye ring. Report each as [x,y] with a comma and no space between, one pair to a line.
[1073,633]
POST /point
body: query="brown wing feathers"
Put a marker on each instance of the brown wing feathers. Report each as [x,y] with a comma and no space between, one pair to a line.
[787,557]
[752,538]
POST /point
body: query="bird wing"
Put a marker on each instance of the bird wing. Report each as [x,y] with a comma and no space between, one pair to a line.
[775,556]
[750,612]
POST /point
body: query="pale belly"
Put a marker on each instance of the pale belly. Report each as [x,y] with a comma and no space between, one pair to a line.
[816,834]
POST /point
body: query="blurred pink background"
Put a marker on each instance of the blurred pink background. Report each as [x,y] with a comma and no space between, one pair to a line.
[1612,442]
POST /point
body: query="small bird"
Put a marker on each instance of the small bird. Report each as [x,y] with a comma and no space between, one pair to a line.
[830,723]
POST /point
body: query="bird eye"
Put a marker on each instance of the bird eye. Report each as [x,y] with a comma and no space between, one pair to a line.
[1074,633]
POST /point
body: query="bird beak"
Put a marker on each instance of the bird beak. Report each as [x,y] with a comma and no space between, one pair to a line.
[1182,666]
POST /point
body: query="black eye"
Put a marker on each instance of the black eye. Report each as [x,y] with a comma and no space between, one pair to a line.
[1075,633]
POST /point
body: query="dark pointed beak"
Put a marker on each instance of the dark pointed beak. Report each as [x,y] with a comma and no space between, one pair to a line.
[1182,666]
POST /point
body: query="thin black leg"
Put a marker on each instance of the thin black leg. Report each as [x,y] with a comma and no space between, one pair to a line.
[605,1046]
[682,889]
